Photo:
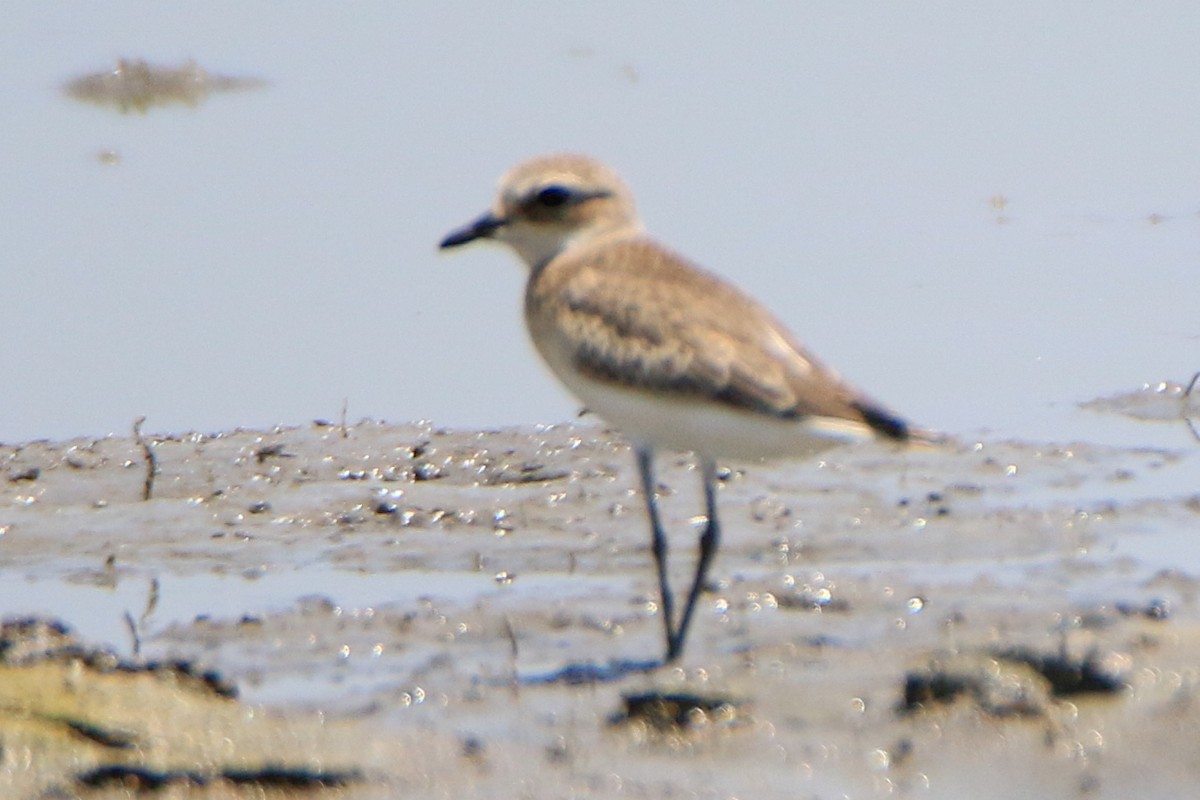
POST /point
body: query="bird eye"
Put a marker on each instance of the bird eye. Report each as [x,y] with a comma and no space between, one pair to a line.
[553,196]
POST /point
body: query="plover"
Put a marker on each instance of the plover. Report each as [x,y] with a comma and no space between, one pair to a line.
[671,355]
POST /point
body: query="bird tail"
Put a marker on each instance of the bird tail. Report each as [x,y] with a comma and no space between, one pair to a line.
[893,427]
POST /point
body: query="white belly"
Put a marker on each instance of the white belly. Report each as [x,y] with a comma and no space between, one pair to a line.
[709,428]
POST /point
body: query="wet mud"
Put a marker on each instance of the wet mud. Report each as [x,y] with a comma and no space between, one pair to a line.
[380,610]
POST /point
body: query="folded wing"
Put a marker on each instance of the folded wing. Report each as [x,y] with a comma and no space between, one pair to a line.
[638,315]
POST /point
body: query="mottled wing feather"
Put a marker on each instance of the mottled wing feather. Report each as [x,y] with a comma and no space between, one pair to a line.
[636,314]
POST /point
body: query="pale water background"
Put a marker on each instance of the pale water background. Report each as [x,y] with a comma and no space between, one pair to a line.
[271,254]
[983,214]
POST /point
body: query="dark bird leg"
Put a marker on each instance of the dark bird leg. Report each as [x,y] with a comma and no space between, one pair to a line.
[645,460]
[710,540]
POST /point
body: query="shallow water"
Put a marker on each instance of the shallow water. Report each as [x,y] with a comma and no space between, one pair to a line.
[978,246]
[985,218]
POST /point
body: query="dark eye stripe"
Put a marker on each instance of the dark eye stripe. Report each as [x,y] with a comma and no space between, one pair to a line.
[553,196]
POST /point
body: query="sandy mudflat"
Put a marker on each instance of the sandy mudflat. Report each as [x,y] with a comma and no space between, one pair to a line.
[394,603]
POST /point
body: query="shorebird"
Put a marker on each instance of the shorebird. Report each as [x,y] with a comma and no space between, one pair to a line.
[671,355]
